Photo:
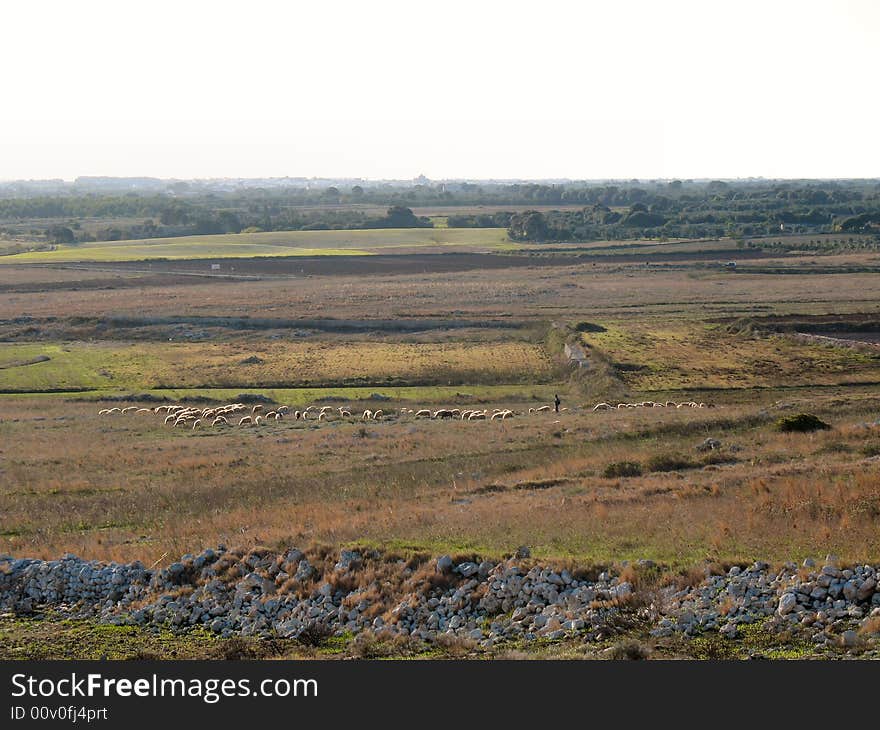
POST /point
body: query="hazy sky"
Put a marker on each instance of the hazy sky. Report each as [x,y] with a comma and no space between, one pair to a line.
[479,89]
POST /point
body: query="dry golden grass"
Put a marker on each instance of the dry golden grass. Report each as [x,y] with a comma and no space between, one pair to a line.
[583,291]
[129,488]
[126,488]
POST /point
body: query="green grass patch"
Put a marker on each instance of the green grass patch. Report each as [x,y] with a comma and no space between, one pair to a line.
[280,243]
[144,366]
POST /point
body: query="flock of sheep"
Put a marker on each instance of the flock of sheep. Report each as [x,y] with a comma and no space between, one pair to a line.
[232,414]
[648,404]
[241,415]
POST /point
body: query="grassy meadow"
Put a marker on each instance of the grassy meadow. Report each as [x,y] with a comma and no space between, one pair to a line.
[266,364]
[75,340]
[676,355]
[280,243]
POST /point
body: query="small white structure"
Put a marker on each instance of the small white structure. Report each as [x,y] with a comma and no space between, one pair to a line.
[576,355]
[215,267]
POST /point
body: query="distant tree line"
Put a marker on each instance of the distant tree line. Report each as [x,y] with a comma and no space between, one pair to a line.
[586,211]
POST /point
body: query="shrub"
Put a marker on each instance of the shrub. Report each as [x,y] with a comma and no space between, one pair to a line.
[452,645]
[622,469]
[669,462]
[632,650]
[801,423]
[371,645]
[589,327]
[236,648]
[314,633]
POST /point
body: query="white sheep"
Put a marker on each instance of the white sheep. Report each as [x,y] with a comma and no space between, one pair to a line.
[367,415]
[220,420]
[245,420]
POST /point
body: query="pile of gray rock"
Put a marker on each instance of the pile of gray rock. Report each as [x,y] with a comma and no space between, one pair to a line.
[262,593]
[829,604]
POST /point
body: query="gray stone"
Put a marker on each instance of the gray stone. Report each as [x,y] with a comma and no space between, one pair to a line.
[787,603]
[864,591]
[304,571]
[348,560]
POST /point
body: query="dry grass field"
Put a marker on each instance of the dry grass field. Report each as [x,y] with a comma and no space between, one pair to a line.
[129,487]
[439,333]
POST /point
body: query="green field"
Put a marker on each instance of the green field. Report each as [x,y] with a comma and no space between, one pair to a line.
[139,366]
[283,243]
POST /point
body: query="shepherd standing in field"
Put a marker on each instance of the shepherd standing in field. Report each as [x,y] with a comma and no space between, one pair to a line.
[556,402]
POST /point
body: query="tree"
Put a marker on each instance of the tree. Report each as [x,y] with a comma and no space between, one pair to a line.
[528,226]
[60,234]
[399,216]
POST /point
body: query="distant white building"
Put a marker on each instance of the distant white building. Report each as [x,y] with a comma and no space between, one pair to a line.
[576,355]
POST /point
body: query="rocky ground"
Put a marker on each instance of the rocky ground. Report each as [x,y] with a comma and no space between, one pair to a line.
[516,601]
